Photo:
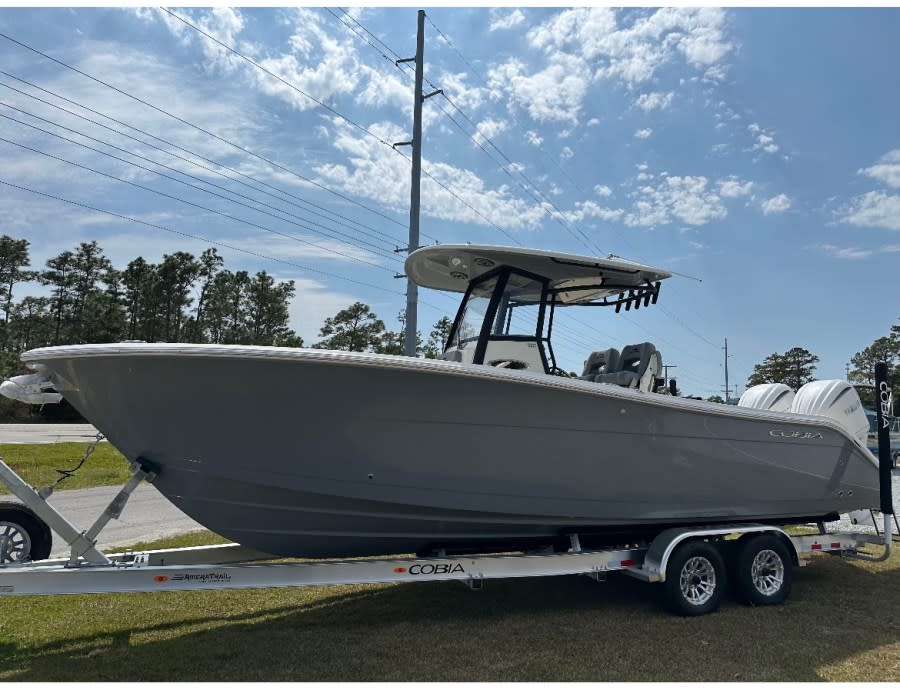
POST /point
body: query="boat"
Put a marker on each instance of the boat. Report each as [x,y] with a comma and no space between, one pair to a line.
[492,447]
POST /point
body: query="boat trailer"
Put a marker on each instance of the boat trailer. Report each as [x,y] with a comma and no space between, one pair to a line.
[693,563]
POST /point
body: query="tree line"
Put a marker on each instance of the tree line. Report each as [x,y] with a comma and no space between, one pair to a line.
[797,367]
[182,298]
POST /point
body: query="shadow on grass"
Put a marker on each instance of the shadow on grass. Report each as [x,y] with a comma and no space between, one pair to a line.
[566,628]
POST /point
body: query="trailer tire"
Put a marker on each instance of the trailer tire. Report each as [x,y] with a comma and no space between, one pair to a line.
[764,570]
[26,536]
[695,579]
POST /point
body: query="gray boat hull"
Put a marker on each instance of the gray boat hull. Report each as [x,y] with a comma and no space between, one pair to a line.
[314,453]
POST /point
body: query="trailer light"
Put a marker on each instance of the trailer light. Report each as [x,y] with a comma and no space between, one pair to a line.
[628,562]
[816,547]
[400,570]
[161,579]
[835,545]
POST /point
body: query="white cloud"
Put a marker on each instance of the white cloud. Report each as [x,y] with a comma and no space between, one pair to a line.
[732,187]
[643,133]
[846,253]
[874,210]
[887,170]
[588,209]
[583,46]
[654,100]
[552,94]
[533,138]
[488,129]
[687,198]
[603,190]
[593,121]
[776,205]
[765,141]
[507,21]
[379,174]
[566,153]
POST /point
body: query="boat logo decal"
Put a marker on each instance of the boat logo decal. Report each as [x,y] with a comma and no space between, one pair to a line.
[795,434]
[213,577]
[886,398]
[431,569]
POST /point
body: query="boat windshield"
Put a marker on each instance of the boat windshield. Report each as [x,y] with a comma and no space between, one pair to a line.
[490,329]
[471,316]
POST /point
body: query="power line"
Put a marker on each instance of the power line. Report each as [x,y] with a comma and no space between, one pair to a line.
[199,238]
[202,130]
[274,75]
[194,204]
[484,217]
[337,235]
[340,220]
[484,82]
[218,173]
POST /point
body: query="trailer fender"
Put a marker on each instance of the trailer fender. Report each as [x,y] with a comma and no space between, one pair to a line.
[664,544]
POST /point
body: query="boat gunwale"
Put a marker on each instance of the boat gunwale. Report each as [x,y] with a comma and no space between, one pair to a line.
[34,358]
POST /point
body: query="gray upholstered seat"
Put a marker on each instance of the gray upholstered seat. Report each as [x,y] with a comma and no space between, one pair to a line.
[600,362]
[638,367]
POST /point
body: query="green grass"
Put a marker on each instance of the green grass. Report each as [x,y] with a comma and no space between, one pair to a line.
[37,464]
[841,623]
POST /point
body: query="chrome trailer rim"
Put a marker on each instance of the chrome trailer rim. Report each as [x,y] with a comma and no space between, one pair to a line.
[698,580]
[15,543]
[767,572]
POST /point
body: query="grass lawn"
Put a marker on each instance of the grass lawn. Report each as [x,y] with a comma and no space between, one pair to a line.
[37,464]
[841,623]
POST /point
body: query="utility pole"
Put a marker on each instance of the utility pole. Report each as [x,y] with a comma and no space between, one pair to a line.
[412,291]
[727,390]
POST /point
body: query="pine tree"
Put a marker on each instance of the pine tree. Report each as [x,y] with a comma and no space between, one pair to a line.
[356,328]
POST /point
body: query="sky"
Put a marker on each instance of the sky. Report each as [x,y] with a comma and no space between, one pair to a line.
[755,152]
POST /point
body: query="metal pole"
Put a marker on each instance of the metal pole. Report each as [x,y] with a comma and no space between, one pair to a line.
[412,291]
[727,394]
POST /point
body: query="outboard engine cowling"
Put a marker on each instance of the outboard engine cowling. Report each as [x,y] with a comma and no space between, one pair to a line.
[768,397]
[835,399]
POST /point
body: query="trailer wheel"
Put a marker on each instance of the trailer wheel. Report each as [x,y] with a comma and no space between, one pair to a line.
[23,535]
[764,570]
[695,579]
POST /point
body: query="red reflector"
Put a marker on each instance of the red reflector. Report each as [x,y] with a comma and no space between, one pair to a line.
[400,570]
[628,562]
[835,545]
[161,579]
[816,546]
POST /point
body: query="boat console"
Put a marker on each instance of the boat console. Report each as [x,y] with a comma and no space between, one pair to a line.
[510,298]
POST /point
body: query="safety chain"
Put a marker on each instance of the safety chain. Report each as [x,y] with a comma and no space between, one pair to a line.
[47,491]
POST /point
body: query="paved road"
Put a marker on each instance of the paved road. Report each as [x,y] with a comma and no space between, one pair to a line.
[148,516]
[18,433]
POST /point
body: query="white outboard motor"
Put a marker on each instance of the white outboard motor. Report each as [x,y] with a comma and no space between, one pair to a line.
[768,397]
[835,399]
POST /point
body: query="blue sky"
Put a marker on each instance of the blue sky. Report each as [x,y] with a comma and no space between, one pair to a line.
[755,149]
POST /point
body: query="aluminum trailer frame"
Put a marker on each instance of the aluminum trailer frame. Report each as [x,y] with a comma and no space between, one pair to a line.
[211,568]
[218,567]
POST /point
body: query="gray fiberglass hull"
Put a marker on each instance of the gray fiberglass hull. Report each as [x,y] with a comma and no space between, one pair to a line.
[317,453]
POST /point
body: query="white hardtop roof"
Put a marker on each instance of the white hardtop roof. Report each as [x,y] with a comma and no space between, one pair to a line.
[451,267]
